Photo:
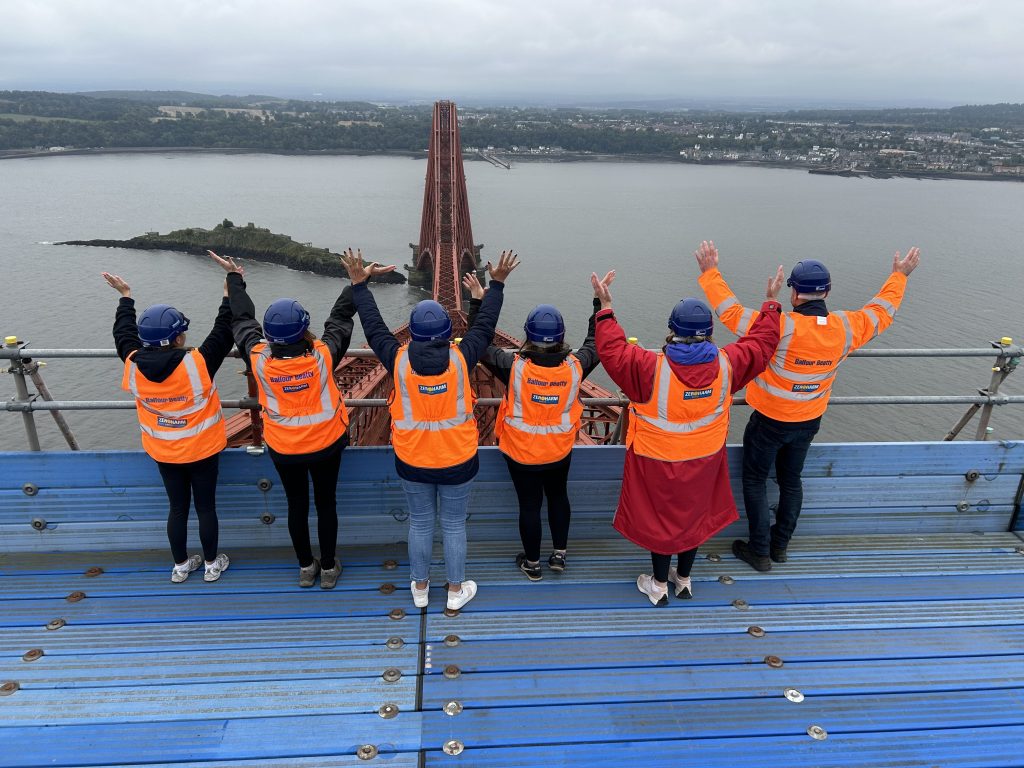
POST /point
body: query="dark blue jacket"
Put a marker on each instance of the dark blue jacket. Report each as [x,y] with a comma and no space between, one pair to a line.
[430,358]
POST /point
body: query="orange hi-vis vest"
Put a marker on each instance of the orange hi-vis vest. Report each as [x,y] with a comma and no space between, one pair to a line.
[540,415]
[303,411]
[797,383]
[180,417]
[679,423]
[432,421]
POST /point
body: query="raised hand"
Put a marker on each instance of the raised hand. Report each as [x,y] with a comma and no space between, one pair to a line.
[600,286]
[472,284]
[228,264]
[506,264]
[907,264]
[775,284]
[707,256]
[119,285]
[359,272]
[605,281]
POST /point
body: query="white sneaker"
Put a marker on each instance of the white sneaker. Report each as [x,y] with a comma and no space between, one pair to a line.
[216,568]
[684,588]
[657,595]
[420,597]
[458,599]
[180,572]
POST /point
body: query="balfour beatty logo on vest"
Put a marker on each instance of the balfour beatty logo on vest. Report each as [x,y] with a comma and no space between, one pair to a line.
[297,377]
[433,389]
[805,387]
[545,399]
[542,383]
[164,421]
[693,394]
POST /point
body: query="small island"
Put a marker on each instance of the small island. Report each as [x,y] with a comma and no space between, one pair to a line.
[248,242]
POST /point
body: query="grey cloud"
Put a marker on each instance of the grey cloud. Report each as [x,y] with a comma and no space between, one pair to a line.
[911,50]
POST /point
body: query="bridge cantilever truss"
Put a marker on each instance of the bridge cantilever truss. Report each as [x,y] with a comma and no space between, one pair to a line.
[444,253]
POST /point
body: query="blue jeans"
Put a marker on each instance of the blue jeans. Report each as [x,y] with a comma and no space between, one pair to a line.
[785,443]
[423,508]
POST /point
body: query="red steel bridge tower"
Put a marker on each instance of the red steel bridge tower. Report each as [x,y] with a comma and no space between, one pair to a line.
[445,252]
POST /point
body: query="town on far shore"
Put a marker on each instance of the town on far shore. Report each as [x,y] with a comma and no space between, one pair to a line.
[976,142]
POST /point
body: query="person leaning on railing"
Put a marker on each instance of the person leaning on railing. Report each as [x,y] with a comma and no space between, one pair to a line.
[675,483]
[433,429]
[538,420]
[305,423]
[791,396]
[179,416]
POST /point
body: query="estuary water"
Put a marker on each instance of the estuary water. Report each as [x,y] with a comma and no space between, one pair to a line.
[564,219]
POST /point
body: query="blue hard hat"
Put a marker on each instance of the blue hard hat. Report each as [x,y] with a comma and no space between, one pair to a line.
[160,325]
[429,321]
[544,324]
[810,276]
[691,317]
[285,321]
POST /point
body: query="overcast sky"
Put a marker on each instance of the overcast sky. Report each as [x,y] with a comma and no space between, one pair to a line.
[896,52]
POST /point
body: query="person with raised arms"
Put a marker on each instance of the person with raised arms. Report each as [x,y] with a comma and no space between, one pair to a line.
[305,422]
[675,483]
[180,416]
[433,429]
[538,421]
[791,395]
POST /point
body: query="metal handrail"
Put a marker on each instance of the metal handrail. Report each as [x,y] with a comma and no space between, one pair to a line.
[24,365]
[1013,351]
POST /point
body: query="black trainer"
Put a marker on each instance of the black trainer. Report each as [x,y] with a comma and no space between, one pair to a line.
[778,555]
[758,562]
[556,562]
[533,572]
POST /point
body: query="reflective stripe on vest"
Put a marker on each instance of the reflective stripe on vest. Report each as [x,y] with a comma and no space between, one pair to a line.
[516,420]
[199,398]
[745,317]
[179,418]
[328,407]
[661,421]
[777,364]
[194,379]
[402,388]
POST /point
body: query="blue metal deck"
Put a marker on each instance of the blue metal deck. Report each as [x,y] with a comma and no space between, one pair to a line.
[899,618]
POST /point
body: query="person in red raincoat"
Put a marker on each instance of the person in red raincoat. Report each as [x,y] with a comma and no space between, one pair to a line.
[675,483]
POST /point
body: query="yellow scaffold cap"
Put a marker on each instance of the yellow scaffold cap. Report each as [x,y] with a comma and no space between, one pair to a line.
[11,341]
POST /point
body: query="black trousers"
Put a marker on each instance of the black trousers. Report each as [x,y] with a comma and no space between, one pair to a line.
[184,482]
[295,476]
[662,563]
[786,444]
[532,484]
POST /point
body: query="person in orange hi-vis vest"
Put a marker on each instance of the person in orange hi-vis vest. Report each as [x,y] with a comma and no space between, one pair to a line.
[305,423]
[433,429]
[179,416]
[537,422]
[675,481]
[790,397]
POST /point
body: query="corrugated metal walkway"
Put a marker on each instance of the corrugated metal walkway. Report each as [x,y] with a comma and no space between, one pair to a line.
[905,650]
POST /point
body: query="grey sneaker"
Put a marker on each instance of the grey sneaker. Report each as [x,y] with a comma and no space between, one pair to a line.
[329,576]
[683,585]
[307,574]
[180,572]
[216,568]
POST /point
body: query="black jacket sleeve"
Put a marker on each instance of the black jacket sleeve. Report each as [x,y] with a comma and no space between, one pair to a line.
[244,326]
[378,335]
[495,359]
[217,345]
[474,344]
[587,354]
[338,328]
[126,329]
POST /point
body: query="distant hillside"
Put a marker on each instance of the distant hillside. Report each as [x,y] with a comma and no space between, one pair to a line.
[248,242]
